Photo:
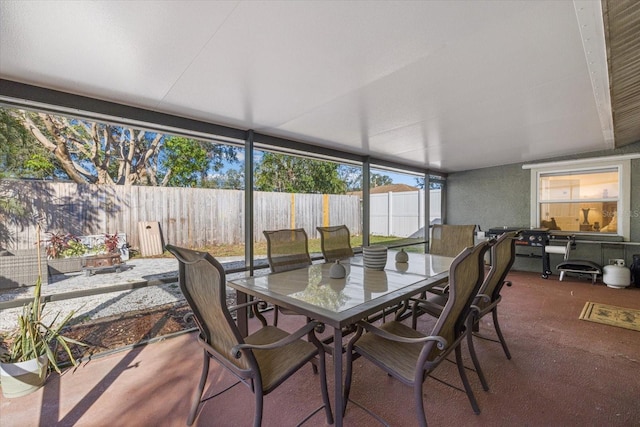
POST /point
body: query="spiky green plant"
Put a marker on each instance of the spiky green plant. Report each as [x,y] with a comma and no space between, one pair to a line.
[33,338]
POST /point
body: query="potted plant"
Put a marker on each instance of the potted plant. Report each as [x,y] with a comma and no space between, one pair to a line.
[57,243]
[75,248]
[31,349]
[64,252]
[111,243]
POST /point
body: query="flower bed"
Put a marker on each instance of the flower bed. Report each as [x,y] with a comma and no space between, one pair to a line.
[82,247]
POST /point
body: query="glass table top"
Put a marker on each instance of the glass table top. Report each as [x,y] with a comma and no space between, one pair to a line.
[314,286]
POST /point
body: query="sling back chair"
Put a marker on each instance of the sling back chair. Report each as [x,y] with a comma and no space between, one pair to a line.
[449,240]
[262,360]
[335,242]
[410,356]
[445,240]
[503,254]
[287,249]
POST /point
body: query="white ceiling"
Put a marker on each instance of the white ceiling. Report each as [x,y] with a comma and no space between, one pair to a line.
[450,85]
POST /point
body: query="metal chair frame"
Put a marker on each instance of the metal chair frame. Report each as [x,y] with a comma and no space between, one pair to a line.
[503,255]
[409,355]
[264,359]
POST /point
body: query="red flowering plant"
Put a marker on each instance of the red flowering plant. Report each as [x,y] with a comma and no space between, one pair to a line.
[111,243]
[58,243]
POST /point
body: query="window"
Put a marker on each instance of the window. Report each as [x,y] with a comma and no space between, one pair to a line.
[588,196]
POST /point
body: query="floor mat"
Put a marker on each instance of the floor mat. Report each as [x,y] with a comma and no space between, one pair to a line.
[627,318]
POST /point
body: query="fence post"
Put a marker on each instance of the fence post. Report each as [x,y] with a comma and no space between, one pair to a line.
[325,210]
[390,213]
[293,210]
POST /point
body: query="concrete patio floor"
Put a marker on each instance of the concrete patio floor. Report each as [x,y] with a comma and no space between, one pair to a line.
[564,371]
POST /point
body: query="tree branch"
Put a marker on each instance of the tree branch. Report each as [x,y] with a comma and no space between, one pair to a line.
[58,148]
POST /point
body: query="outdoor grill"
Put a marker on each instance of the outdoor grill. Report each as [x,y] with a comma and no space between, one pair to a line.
[535,237]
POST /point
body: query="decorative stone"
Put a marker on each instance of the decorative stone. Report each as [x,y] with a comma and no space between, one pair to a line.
[337,271]
[402,266]
[402,256]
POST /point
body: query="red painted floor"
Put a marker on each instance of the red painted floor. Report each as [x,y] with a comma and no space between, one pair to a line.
[564,372]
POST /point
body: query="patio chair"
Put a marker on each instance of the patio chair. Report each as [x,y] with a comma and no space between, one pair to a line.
[409,355]
[263,360]
[449,240]
[287,249]
[503,254]
[335,242]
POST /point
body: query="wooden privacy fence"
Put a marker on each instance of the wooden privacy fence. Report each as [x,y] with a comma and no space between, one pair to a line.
[192,217]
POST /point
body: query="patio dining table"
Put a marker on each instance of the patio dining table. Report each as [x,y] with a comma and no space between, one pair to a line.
[340,303]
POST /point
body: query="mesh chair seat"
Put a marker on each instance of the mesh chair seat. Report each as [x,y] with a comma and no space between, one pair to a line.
[399,357]
[276,365]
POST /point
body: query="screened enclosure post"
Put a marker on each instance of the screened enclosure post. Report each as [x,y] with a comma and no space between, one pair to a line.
[248,202]
[366,200]
[241,298]
[427,211]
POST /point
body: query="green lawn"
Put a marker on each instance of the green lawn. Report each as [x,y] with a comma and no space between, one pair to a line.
[260,248]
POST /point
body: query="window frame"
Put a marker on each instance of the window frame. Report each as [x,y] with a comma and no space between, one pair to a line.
[621,163]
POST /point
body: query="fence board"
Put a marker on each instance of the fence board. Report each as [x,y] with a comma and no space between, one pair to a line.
[191,217]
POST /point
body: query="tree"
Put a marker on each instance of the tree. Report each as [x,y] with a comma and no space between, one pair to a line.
[233,180]
[378,180]
[188,162]
[292,174]
[20,153]
[432,185]
[230,180]
[351,176]
[99,153]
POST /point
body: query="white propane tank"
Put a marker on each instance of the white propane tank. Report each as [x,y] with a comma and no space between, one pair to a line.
[616,275]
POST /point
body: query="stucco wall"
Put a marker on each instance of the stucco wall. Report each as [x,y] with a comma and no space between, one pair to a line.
[500,196]
[490,197]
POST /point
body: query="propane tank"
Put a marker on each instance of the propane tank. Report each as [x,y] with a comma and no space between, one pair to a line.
[616,275]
